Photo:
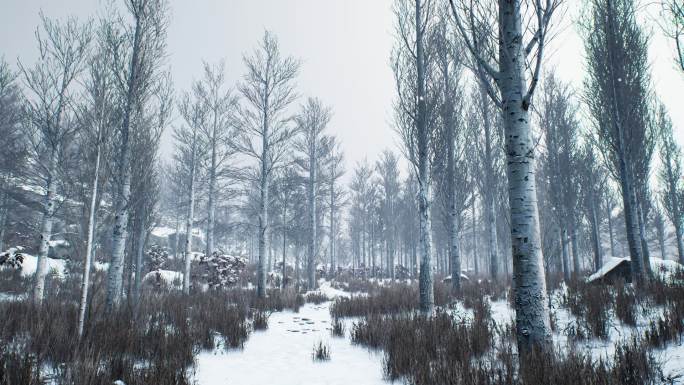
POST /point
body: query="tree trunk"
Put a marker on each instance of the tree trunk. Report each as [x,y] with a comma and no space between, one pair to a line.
[575,249]
[311,250]
[644,243]
[661,239]
[531,305]
[476,265]
[120,233]
[85,282]
[595,237]
[333,269]
[139,256]
[4,213]
[565,254]
[610,232]
[190,218]
[427,295]
[284,269]
[46,230]
[680,242]
[455,255]
[263,209]
[490,210]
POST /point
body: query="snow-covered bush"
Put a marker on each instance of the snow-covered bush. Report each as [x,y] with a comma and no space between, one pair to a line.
[12,258]
[157,257]
[222,270]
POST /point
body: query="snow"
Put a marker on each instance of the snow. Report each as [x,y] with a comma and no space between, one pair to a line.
[163,231]
[326,288]
[612,263]
[101,266]
[169,278]
[30,264]
[665,268]
[282,355]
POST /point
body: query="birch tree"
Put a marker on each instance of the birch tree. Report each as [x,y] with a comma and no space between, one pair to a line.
[190,149]
[138,52]
[670,177]
[313,145]
[617,97]
[506,72]
[13,157]
[63,50]
[592,179]
[559,125]
[336,194]
[388,171]
[221,105]
[145,186]
[265,129]
[98,115]
[412,117]
[452,136]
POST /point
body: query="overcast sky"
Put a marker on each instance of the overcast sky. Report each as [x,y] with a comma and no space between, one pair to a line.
[344,46]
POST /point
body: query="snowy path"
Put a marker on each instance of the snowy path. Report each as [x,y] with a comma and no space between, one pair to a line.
[282,355]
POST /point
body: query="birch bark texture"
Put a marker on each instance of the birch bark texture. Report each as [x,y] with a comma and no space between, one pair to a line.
[514,98]
[265,129]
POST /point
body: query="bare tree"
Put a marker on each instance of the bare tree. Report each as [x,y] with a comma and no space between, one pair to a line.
[63,49]
[507,72]
[618,98]
[670,177]
[98,115]
[452,137]
[337,195]
[674,14]
[388,171]
[412,118]
[221,105]
[313,145]
[265,129]
[14,155]
[190,150]
[138,52]
[558,123]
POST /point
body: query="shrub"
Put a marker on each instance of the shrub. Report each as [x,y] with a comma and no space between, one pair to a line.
[321,352]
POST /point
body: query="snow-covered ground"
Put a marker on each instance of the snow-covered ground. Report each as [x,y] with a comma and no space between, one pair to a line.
[671,357]
[282,355]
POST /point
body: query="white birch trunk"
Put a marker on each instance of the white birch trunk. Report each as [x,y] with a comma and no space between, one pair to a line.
[85,282]
[531,304]
[189,220]
[263,213]
[46,231]
[311,253]
[595,237]
[565,255]
[211,206]
[333,270]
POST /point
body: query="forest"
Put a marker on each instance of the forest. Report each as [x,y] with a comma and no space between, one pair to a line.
[523,229]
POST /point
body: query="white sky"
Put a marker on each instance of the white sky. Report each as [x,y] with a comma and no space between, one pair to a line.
[344,46]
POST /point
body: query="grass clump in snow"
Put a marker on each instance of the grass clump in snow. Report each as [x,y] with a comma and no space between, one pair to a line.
[260,319]
[321,352]
[316,298]
[338,328]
